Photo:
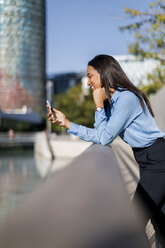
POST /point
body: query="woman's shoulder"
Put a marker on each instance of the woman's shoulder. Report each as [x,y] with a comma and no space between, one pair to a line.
[128,100]
[128,95]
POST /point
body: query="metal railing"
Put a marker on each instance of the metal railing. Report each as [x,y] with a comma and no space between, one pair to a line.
[24,139]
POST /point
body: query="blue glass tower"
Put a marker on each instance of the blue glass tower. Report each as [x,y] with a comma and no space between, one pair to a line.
[22,54]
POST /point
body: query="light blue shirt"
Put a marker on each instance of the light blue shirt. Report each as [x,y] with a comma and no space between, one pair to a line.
[126,118]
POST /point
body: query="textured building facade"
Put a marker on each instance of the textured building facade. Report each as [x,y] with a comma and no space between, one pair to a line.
[22,54]
[137,69]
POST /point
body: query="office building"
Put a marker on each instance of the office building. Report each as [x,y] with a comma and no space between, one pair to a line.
[62,82]
[22,55]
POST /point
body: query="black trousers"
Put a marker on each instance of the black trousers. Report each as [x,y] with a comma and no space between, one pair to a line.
[150,192]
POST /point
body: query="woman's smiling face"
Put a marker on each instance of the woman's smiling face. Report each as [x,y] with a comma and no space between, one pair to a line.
[94,80]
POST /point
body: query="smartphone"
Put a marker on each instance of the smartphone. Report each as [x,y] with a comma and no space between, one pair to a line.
[50,108]
[48,103]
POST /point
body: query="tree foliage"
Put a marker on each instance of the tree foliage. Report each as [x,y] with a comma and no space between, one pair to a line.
[149,35]
[156,80]
[76,107]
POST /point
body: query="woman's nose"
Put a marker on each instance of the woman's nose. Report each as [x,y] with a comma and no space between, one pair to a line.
[88,83]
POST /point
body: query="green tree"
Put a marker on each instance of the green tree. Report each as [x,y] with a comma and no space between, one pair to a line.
[76,107]
[149,34]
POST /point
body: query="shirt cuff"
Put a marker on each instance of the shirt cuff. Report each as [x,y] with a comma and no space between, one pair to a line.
[99,117]
[73,128]
[101,112]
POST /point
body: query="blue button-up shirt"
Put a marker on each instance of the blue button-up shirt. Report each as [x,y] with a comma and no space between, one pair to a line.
[125,118]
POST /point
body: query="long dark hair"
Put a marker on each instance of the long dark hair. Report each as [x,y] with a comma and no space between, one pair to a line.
[113,76]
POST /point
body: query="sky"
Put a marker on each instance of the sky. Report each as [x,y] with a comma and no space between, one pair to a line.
[78,30]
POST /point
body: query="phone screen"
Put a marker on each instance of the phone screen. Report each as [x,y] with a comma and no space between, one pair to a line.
[48,104]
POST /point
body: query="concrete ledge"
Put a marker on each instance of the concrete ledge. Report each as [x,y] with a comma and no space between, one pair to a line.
[83,206]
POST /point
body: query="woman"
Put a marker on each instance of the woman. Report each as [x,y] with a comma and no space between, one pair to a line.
[122,109]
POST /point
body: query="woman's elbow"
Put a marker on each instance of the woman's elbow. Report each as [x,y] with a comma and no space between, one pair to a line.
[105,141]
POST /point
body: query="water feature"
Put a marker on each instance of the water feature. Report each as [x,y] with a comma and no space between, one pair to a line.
[19,176]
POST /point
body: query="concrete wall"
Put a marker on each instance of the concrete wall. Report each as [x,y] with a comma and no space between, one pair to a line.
[62,146]
[158,104]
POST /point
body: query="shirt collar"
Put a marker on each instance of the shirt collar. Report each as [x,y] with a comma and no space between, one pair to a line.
[115,96]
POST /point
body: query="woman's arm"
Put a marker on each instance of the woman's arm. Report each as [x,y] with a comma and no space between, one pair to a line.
[126,109]
[84,133]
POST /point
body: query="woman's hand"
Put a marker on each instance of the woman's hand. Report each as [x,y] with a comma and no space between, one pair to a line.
[99,95]
[58,118]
